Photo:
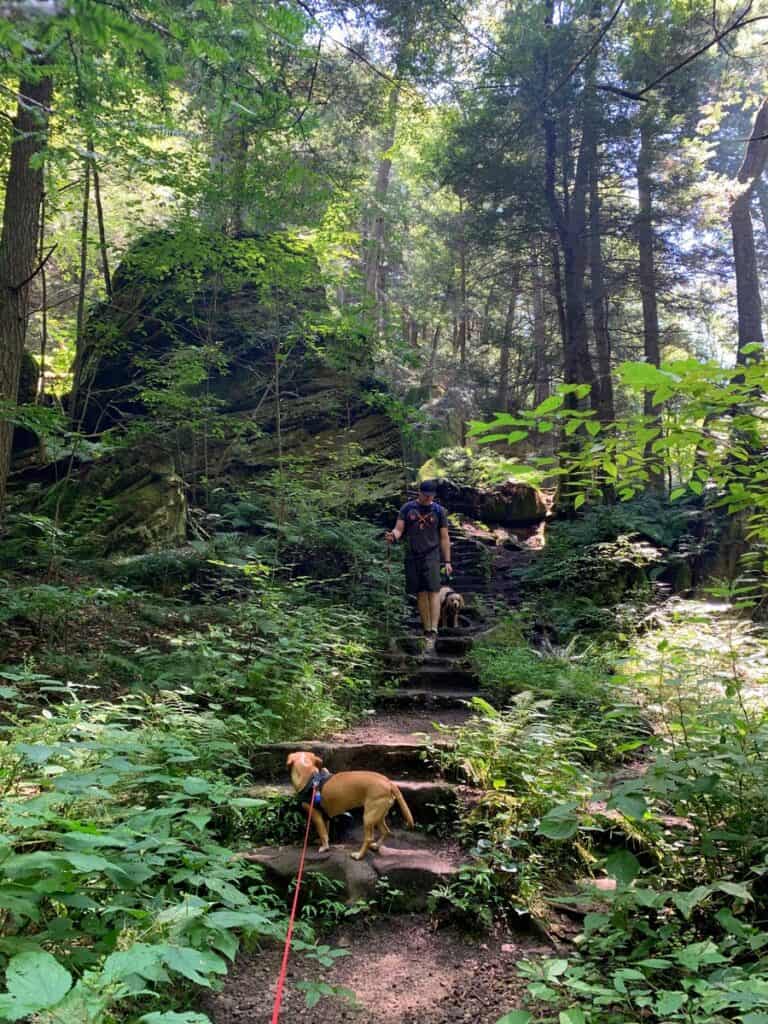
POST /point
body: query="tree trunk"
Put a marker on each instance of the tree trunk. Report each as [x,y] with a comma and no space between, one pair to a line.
[605,406]
[377,231]
[647,267]
[647,277]
[18,245]
[502,395]
[541,373]
[748,300]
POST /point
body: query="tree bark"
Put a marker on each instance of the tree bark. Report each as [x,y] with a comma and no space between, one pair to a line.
[605,406]
[541,373]
[377,231]
[748,301]
[647,278]
[18,244]
[502,395]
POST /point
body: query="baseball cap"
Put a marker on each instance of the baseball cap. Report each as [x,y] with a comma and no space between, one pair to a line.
[428,487]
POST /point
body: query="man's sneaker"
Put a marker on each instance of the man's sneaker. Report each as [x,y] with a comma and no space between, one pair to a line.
[429,642]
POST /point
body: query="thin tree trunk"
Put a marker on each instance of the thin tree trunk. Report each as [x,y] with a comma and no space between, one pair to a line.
[18,245]
[100,219]
[377,232]
[647,278]
[748,301]
[79,414]
[502,395]
[605,406]
[540,368]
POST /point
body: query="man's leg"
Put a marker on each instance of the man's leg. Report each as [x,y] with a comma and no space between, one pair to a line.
[425,610]
[434,609]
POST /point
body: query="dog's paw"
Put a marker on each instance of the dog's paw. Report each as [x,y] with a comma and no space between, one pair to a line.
[357,855]
[374,847]
[323,849]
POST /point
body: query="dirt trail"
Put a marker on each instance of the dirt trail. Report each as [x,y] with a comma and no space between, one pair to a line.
[401,971]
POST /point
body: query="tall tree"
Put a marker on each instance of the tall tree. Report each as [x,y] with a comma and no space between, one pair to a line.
[19,239]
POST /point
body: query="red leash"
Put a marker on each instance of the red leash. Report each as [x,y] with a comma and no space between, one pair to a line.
[289,934]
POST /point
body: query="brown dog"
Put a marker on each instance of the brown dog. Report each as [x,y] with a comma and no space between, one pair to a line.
[451,604]
[344,791]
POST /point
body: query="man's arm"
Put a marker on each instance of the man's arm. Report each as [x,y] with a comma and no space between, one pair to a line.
[445,547]
[397,533]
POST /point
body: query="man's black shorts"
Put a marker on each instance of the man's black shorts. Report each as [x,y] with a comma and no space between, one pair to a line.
[422,572]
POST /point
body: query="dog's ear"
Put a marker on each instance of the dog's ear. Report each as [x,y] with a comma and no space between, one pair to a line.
[318,761]
[292,757]
[461,601]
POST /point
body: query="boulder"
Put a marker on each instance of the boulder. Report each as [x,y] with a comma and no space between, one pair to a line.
[508,504]
[132,502]
[228,346]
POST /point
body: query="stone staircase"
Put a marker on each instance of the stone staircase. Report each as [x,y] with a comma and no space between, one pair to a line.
[400,740]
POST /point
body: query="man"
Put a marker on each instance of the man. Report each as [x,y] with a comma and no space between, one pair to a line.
[425,525]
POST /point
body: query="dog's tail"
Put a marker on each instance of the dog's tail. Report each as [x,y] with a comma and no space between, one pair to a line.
[404,809]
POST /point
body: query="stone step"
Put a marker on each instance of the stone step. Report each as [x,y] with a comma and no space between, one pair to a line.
[430,803]
[412,862]
[420,697]
[453,646]
[442,678]
[402,760]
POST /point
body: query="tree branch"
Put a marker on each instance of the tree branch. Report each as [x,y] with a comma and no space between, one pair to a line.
[36,271]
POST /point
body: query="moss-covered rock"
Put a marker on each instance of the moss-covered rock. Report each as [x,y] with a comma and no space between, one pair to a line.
[223,354]
[134,501]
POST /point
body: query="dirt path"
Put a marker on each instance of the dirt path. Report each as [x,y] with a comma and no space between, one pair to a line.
[401,971]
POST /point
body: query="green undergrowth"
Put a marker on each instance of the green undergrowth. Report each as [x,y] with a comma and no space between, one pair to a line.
[132,694]
[682,936]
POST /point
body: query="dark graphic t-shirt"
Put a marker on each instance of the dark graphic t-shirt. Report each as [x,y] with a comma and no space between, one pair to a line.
[422,526]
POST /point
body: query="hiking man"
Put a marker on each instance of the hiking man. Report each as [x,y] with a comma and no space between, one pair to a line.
[425,525]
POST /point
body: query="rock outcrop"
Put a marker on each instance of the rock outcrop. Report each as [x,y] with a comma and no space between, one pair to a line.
[220,358]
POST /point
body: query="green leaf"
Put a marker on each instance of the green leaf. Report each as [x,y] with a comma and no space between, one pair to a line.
[141,958]
[171,1017]
[699,954]
[549,405]
[623,866]
[686,901]
[572,1017]
[515,1017]
[678,492]
[196,786]
[516,435]
[561,822]
[579,500]
[736,889]
[194,964]
[35,981]
[593,427]
[670,1002]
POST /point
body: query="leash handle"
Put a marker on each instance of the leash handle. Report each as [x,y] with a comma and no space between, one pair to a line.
[289,933]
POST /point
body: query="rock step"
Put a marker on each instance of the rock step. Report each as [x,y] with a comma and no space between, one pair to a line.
[416,697]
[440,678]
[402,760]
[430,803]
[453,646]
[411,862]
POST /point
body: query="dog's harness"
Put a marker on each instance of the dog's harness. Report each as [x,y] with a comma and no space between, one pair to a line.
[316,782]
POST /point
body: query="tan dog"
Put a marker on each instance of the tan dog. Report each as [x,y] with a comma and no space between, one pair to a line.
[345,791]
[451,604]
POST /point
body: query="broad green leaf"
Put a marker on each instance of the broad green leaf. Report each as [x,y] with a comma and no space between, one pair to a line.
[670,1002]
[549,405]
[561,822]
[736,889]
[194,964]
[572,1017]
[171,1017]
[141,958]
[686,901]
[623,866]
[35,981]
[515,1017]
